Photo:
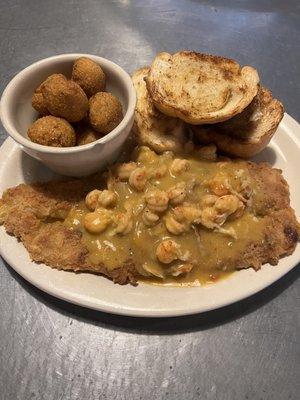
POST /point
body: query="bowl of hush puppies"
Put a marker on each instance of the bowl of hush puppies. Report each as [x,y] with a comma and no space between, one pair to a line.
[72,112]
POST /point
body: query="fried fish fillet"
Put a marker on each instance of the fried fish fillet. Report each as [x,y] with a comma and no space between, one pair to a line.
[35,214]
[271,201]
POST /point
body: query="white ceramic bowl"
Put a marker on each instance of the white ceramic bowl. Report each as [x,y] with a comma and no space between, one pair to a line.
[17,115]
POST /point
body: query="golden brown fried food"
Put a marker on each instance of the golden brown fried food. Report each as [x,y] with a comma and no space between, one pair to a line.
[280,239]
[64,98]
[37,215]
[85,134]
[50,199]
[105,112]
[52,131]
[38,102]
[89,76]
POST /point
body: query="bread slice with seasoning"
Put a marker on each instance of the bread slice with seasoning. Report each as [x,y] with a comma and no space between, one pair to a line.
[200,88]
[151,127]
[247,133]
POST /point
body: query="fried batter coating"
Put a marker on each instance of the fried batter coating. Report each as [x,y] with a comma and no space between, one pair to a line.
[36,213]
[85,134]
[89,76]
[273,191]
[105,112]
[52,131]
[51,199]
[38,102]
[64,98]
[281,236]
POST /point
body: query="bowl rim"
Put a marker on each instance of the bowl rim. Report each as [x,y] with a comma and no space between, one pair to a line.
[10,88]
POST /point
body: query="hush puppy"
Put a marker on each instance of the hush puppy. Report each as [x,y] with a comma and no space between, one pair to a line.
[64,98]
[89,76]
[85,134]
[38,102]
[52,131]
[105,112]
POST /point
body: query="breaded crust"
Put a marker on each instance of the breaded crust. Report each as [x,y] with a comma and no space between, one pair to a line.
[50,199]
[200,88]
[52,131]
[247,133]
[271,201]
[105,112]
[38,102]
[35,214]
[89,76]
[271,189]
[151,127]
[64,98]
[281,236]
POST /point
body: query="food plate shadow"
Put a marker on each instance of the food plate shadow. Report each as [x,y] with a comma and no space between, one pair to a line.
[161,326]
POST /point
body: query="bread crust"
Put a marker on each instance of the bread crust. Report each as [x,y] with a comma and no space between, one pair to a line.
[248,133]
[200,88]
[152,128]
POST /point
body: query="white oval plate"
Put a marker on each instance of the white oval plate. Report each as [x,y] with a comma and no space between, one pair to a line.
[99,293]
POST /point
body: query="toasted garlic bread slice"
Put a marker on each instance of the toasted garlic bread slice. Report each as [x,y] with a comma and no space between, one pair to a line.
[247,133]
[152,128]
[200,88]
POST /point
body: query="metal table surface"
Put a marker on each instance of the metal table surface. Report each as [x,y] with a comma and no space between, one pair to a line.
[53,350]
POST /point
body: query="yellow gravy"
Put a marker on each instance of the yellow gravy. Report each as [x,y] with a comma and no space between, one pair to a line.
[209,251]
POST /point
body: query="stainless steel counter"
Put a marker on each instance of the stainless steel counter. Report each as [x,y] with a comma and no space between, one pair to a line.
[53,350]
